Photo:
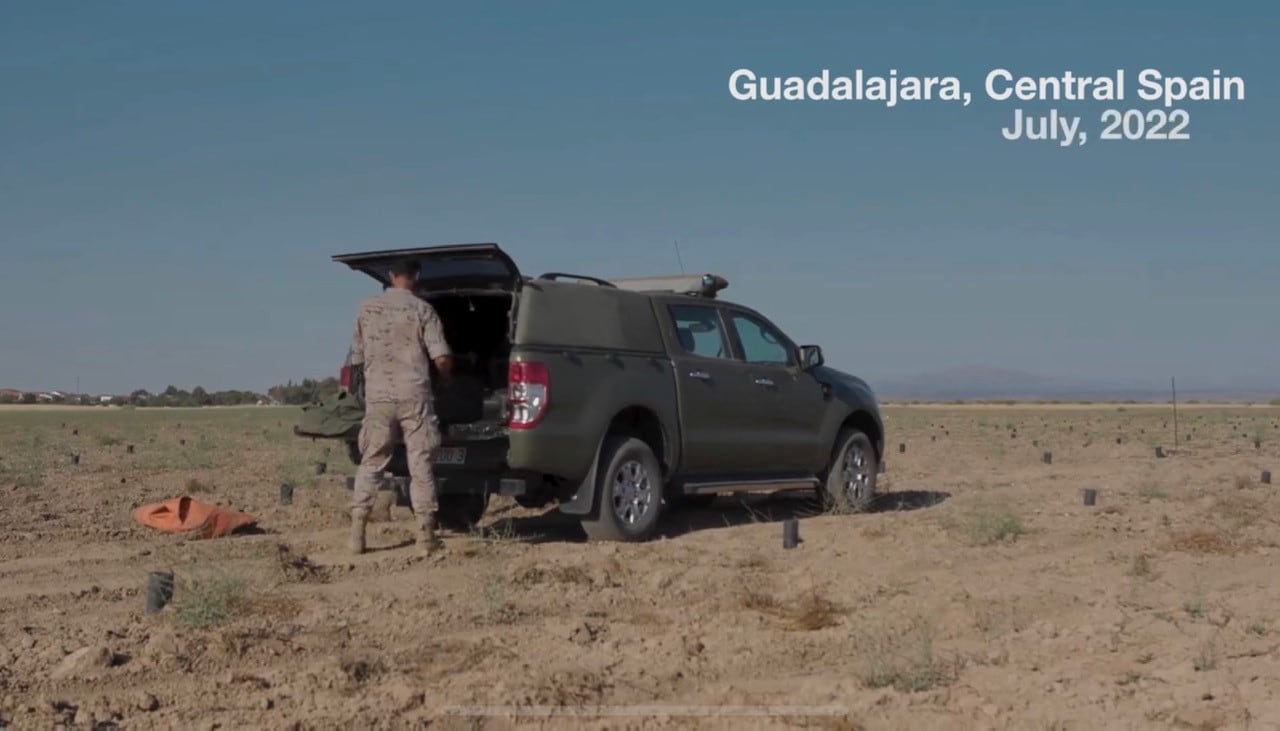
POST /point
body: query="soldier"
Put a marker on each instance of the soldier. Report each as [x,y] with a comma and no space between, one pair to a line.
[397,338]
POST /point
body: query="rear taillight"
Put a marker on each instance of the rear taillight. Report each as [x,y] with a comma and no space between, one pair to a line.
[528,394]
[344,378]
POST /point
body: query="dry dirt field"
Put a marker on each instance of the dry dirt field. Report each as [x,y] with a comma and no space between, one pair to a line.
[980,593]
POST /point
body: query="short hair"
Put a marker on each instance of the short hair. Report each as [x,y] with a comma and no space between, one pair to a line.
[405,268]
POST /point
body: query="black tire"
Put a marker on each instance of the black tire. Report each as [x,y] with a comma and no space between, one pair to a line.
[627,465]
[853,490]
[461,512]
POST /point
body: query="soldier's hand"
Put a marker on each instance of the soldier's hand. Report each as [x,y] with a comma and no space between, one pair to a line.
[444,366]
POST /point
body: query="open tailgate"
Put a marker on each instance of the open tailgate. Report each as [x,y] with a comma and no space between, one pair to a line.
[443,267]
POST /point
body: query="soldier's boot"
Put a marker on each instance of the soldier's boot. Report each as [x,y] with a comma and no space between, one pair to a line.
[359,519]
[427,542]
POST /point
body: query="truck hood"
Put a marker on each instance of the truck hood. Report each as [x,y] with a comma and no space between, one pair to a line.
[835,377]
[850,389]
[443,268]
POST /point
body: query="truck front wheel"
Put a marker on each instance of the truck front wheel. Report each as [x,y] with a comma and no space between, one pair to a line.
[628,492]
[850,485]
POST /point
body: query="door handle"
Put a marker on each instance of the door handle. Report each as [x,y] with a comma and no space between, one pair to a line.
[700,375]
[764,381]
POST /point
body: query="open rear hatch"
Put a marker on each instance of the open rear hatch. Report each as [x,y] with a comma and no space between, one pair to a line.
[443,268]
[473,289]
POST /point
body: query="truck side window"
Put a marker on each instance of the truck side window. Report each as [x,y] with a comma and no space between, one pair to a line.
[761,344]
[699,330]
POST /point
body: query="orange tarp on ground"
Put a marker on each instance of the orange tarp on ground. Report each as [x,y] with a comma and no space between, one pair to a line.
[186,515]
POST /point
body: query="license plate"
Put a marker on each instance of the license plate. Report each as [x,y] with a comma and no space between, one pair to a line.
[450,455]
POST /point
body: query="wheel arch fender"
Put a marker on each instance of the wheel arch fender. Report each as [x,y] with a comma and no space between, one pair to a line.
[864,421]
[636,420]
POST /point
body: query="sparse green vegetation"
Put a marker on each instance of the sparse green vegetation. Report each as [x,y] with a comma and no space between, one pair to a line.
[25,466]
[903,660]
[1054,582]
[1141,567]
[494,592]
[1194,607]
[987,524]
[208,597]
[1206,658]
[1152,490]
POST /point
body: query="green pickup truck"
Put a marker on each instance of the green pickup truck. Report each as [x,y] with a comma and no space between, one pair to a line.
[617,399]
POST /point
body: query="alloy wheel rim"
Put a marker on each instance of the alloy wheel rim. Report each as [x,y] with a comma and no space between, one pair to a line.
[632,492]
[857,477]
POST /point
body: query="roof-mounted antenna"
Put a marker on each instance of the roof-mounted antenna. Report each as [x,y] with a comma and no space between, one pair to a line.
[679,260]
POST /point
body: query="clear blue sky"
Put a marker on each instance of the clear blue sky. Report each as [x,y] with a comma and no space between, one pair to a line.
[175,175]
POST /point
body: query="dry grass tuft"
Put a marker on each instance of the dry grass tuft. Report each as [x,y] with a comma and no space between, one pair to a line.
[571,575]
[298,567]
[814,611]
[216,591]
[904,660]
[874,531]
[1208,543]
[1149,491]
[361,669]
[810,611]
[214,599]
[758,601]
[1204,542]
[499,533]
[1241,511]
[1206,658]
[536,575]
[987,525]
[1141,567]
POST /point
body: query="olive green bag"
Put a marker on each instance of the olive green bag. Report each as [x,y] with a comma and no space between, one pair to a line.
[333,418]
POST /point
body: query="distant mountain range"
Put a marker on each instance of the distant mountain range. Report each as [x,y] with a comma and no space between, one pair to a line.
[987,383]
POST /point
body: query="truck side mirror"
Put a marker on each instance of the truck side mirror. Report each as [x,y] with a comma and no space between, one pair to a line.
[811,356]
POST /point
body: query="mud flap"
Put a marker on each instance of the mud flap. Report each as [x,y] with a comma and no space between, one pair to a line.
[583,501]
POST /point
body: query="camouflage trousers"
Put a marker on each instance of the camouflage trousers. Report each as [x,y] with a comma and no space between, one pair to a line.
[384,424]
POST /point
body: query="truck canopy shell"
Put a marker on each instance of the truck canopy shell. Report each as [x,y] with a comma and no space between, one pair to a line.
[560,314]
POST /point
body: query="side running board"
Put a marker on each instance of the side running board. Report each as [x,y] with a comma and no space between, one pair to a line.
[769,485]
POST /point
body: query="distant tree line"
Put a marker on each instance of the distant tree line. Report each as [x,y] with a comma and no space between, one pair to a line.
[198,396]
[293,394]
[297,394]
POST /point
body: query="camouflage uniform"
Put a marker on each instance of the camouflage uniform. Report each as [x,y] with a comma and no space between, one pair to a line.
[396,337]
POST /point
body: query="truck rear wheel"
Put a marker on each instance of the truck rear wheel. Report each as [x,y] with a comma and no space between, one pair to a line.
[458,512]
[628,492]
[850,485]
[461,512]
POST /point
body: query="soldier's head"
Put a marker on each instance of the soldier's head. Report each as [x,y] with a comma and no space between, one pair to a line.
[404,273]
